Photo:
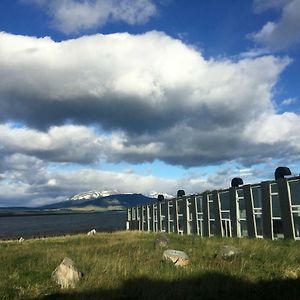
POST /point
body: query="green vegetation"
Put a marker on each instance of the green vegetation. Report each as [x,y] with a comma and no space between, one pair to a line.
[125,265]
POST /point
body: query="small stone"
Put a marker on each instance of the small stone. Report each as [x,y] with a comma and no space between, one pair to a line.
[161,240]
[21,240]
[92,232]
[291,273]
[227,251]
[66,274]
[178,258]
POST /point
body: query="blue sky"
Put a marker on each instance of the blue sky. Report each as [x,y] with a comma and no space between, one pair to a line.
[145,95]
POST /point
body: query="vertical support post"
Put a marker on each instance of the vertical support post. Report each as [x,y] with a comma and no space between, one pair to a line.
[194,210]
[131,225]
[168,218]
[171,215]
[233,207]
[142,218]
[133,218]
[138,215]
[185,213]
[159,219]
[128,214]
[151,214]
[285,206]
[217,210]
[175,215]
[205,204]
[166,212]
[128,222]
[137,218]
[155,217]
[128,219]
[250,217]
[146,227]
[267,210]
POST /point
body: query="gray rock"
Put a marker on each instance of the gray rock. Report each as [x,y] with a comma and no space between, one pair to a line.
[228,252]
[66,274]
[161,240]
[176,257]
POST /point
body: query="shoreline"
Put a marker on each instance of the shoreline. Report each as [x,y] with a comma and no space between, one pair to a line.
[57,235]
[31,213]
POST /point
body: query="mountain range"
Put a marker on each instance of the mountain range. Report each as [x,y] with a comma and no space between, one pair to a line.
[100,201]
[90,201]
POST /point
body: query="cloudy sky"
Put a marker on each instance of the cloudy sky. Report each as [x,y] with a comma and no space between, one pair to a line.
[145,95]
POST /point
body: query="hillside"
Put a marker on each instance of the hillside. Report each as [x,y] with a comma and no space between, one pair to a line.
[118,201]
[125,265]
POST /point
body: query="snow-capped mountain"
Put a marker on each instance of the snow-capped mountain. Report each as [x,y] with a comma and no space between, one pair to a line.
[105,200]
[111,202]
[154,194]
[92,195]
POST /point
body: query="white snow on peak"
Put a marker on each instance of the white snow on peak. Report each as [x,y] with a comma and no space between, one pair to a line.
[106,193]
[91,195]
[154,194]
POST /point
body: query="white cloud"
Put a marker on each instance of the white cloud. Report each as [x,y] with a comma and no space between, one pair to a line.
[71,16]
[289,101]
[285,32]
[67,143]
[132,98]
[156,77]
[280,129]
[155,97]
[253,53]
[263,5]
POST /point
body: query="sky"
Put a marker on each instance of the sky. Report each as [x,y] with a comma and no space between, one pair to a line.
[145,95]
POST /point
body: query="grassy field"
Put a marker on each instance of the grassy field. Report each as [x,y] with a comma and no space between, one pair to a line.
[125,265]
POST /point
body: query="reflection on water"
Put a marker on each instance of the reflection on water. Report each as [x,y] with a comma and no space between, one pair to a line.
[45,225]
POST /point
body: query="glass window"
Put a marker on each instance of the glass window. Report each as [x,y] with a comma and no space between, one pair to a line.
[276,211]
[244,230]
[296,218]
[274,188]
[295,192]
[224,201]
[199,204]
[211,210]
[256,193]
[259,224]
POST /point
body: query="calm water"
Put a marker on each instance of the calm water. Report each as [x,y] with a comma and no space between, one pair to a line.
[47,225]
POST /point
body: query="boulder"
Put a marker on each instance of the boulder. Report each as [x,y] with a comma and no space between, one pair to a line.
[20,240]
[176,257]
[66,274]
[92,232]
[227,252]
[161,240]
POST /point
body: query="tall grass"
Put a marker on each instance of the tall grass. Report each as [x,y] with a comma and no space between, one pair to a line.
[125,265]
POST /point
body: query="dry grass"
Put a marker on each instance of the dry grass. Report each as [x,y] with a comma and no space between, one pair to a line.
[125,265]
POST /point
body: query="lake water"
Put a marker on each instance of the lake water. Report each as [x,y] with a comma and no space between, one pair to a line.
[12,227]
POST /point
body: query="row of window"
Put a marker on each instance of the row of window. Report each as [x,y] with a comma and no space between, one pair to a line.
[252,210]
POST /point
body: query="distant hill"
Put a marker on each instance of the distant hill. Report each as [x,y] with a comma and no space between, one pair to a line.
[111,202]
[85,202]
